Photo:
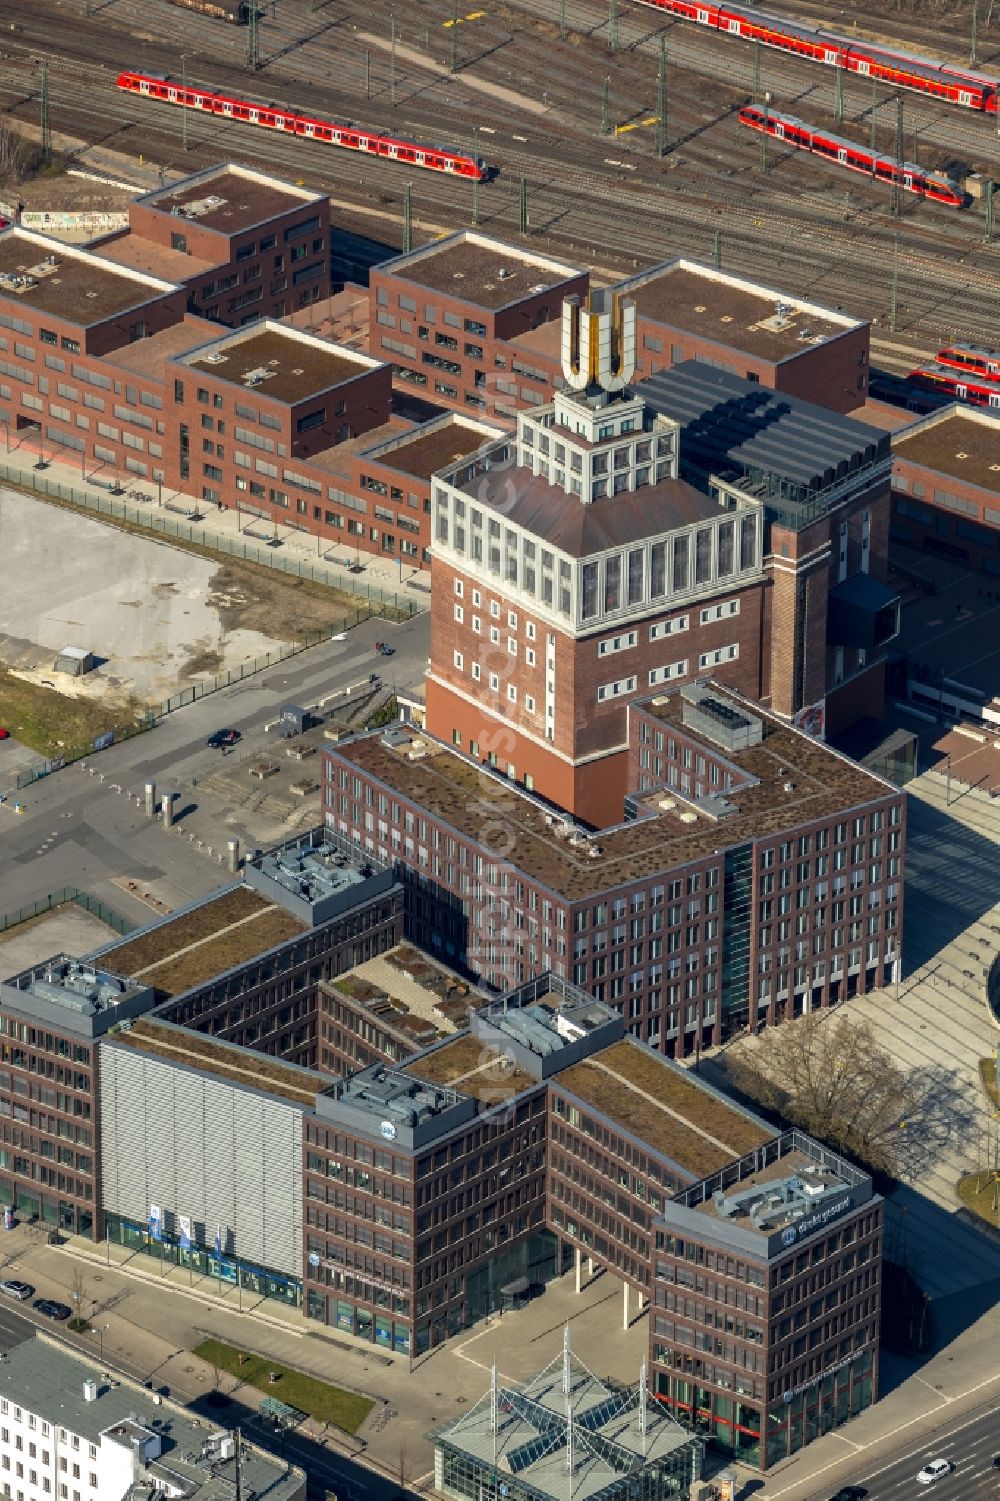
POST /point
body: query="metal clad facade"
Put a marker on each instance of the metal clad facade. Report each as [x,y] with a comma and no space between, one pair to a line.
[197,1145]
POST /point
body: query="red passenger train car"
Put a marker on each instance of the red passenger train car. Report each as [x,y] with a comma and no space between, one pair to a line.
[842,153]
[275,117]
[898,70]
[970,389]
[982,363]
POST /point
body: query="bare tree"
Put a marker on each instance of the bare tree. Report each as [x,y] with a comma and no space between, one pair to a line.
[829,1076]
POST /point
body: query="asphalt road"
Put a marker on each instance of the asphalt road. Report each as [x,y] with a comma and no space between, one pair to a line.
[971,1444]
[79,831]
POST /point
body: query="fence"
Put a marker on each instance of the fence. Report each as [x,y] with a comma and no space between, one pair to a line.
[165,526]
[59,899]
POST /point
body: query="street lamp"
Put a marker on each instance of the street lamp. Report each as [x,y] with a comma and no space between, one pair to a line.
[101,1330]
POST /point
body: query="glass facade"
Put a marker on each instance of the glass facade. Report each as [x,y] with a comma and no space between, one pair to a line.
[734,1424]
[465,1476]
[257,1281]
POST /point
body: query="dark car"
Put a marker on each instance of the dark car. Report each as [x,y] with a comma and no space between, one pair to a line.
[51,1309]
[223,738]
[850,1493]
[22,1291]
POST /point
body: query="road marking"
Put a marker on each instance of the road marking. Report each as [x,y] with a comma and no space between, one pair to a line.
[519,138]
[901,1428]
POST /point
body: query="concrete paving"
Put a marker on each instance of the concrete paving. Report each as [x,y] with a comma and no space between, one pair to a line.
[83,830]
[151,1322]
[66,930]
[146,610]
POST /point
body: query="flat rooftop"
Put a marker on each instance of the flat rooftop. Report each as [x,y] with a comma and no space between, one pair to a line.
[48,1380]
[149,356]
[411,992]
[733,428]
[338,459]
[228,199]
[471,1067]
[477,270]
[225,1060]
[777,1195]
[425,452]
[452,789]
[281,365]
[39,275]
[140,254]
[195,946]
[960,443]
[699,300]
[658,1102]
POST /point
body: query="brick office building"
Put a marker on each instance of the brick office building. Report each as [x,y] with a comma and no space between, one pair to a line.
[757,874]
[243,245]
[946,487]
[822,483]
[444,316]
[436,1193]
[52,1019]
[686,311]
[575,569]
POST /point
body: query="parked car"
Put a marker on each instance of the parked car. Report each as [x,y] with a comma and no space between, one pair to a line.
[51,1309]
[22,1291]
[933,1470]
[223,738]
[4,734]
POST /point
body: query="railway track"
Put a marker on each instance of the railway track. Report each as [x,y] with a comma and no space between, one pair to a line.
[778,229]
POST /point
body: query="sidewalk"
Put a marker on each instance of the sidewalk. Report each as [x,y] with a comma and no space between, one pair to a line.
[171,514]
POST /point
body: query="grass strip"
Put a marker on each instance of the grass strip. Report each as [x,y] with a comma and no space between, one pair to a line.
[325,1403]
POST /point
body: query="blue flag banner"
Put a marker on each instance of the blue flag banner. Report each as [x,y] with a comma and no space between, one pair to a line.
[217,1247]
[155,1222]
[184,1221]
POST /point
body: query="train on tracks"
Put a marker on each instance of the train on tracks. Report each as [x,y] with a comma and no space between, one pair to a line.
[972,389]
[236,12]
[842,153]
[306,127]
[898,70]
[984,363]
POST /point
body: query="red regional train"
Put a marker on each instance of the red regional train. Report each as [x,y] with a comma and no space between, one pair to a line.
[867,59]
[984,363]
[841,153]
[972,391]
[272,117]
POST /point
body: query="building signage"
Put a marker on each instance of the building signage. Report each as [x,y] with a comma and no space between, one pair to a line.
[155,1222]
[802,1228]
[314,1258]
[184,1221]
[388,1130]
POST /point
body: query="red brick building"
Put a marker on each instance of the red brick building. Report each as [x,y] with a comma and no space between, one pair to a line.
[754,872]
[946,487]
[444,317]
[576,569]
[687,311]
[243,245]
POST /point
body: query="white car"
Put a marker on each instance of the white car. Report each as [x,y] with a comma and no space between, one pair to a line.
[933,1470]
